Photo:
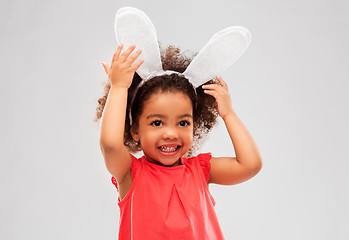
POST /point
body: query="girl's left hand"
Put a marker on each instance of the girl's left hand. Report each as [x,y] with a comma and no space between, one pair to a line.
[222,96]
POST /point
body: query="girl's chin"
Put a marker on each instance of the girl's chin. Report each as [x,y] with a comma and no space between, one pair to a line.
[167,160]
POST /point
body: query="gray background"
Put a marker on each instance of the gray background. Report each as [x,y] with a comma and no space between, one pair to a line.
[289,88]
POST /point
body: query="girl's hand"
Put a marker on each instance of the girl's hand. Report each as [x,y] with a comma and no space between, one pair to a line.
[122,69]
[222,96]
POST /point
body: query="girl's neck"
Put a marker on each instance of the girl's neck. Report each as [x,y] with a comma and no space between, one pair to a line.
[177,163]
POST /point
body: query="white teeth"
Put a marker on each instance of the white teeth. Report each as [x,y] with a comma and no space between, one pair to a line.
[169,149]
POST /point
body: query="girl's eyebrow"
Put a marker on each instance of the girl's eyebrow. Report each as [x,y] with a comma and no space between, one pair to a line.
[164,116]
[186,115]
[156,116]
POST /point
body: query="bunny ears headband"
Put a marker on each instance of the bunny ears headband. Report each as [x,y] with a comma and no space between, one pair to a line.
[132,26]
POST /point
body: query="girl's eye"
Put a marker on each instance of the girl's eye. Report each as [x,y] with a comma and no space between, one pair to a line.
[183,123]
[156,123]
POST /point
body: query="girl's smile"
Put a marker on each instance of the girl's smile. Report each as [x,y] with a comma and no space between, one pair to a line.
[165,128]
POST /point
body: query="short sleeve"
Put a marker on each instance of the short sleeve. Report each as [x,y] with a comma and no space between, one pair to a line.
[204,160]
[134,167]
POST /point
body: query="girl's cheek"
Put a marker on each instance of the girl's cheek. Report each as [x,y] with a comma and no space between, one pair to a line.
[153,133]
[190,137]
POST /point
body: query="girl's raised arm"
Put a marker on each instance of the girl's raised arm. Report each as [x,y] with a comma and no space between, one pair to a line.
[248,162]
[111,136]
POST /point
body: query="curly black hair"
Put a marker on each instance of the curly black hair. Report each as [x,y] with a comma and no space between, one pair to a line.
[204,106]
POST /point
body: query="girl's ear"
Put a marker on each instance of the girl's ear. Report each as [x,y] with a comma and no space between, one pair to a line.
[134,133]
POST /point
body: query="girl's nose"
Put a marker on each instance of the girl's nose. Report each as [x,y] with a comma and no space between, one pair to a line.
[170,133]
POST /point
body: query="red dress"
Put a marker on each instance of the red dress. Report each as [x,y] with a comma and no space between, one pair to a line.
[169,202]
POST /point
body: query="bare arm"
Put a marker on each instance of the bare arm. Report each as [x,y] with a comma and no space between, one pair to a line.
[248,162]
[111,135]
[116,157]
[112,123]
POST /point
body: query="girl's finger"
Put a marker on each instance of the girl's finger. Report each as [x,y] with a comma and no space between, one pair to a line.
[117,53]
[137,64]
[221,81]
[211,86]
[218,89]
[210,92]
[130,60]
[106,67]
[127,53]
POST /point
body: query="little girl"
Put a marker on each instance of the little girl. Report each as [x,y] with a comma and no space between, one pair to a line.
[164,195]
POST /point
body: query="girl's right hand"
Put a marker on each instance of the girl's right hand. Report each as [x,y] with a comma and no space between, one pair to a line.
[122,69]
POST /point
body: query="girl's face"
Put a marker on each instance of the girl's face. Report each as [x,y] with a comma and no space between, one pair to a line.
[165,128]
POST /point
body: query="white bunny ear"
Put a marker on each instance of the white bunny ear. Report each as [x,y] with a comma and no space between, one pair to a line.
[132,26]
[221,51]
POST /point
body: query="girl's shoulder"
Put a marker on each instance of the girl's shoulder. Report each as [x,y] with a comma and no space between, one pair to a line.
[134,166]
[203,159]
[201,156]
